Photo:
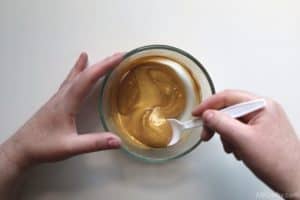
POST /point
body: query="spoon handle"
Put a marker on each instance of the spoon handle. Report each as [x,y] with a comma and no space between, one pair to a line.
[192,123]
[242,109]
[235,111]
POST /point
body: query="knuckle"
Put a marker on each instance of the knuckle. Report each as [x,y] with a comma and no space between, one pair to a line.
[226,96]
[97,145]
[237,156]
[227,91]
[227,149]
[214,121]
[87,76]
[63,88]
[68,148]
[274,104]
[63,84]
[71,91]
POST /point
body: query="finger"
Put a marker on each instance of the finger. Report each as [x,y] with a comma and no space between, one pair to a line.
[84,83]
[228,128]
[92,142]
[237,156]
[227,146]
[79,66]
[207,134]
[97,70]
[223,99]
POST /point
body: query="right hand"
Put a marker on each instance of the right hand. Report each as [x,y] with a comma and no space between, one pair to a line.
[264,140]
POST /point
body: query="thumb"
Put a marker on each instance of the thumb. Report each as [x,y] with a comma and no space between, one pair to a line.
[92,142]
[228,128]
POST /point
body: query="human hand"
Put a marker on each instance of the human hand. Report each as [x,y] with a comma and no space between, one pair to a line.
[265,140]
[51,135]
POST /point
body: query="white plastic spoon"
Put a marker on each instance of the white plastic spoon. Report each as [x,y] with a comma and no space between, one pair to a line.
[235,111]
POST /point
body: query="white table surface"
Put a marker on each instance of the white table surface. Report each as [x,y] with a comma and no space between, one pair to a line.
[252,45]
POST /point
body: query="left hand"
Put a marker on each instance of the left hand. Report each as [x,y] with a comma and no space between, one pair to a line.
[51,135]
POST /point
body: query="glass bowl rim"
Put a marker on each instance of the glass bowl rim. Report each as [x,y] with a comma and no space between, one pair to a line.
[145,48]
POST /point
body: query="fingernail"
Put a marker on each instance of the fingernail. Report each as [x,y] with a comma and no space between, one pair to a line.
[194,112]
[113,143]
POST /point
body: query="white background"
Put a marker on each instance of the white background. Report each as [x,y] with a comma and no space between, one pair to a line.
[251,45]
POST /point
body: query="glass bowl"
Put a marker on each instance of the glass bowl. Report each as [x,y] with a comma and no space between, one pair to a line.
[190,139]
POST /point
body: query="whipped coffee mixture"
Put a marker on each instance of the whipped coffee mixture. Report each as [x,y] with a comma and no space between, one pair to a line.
[146,95]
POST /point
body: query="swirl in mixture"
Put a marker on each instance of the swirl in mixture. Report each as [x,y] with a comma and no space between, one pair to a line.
[146,96]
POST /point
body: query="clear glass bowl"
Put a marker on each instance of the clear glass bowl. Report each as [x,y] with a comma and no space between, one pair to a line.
[192,138]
